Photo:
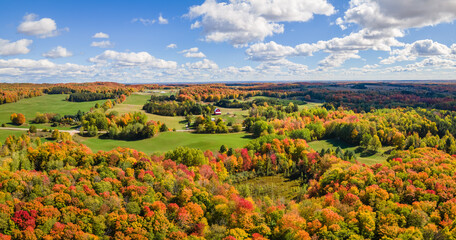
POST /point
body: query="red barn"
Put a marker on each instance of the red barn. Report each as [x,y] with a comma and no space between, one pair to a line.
[217,112]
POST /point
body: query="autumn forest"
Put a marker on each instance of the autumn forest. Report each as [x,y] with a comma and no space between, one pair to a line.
[334,160]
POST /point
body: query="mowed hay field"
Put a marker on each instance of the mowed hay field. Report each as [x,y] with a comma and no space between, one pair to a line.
[137,99]
[43,104]
[170,140]
[378,157]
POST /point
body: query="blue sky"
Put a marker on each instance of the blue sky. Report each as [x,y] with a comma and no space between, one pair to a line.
[237,40]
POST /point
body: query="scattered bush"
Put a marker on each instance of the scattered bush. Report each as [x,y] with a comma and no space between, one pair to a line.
[17,118]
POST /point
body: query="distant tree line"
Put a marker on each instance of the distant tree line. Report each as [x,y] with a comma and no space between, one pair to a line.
[173,108]
[59,90]
[227,103]
[89,96]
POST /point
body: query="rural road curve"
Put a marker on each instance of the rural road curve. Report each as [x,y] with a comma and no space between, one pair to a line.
[72,132]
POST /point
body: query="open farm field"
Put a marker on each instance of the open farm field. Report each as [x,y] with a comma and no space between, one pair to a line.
[54,103]
[170,140]
[378,157]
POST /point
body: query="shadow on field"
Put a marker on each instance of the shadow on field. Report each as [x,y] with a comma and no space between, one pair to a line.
[339,143]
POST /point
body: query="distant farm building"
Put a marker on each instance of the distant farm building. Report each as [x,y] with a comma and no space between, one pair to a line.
[217,112]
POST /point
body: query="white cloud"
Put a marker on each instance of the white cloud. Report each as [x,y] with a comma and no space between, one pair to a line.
[162,20]
[8,48]
[382,22]
[385,20]
[26,63]
[205,64]
[291,10]
[363,40]
[29,69]
[58,52]
[427,65]
[272,51]
[144,21]
[340,49]
[246,69]
[141,67]
[43,28]
[383,14]
[193,49]
[172,45]
[232,22]
[147,22]
[193,53]
[345,48]
[336,59]
[240,21]
[420,48]
[282,67]
[100,35]
[132,59]
[435,62]
[102,44]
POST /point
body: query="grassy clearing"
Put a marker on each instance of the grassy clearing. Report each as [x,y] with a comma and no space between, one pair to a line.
[378,157]
[274,187]
[5,133]
[44,136]
[137,99]
[43,104]
[258,97]
[179,123]
[310,105]
[171,140]
[301,107]
[234,115]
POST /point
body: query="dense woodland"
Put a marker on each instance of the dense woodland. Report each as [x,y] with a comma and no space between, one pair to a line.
[62,190]
[174,108]
[88,96]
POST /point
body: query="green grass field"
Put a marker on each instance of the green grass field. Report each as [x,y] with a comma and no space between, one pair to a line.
[378,157]
[43,104]
[274,187]
[301,107]
[5,133]
[258,97]
[137,99]
[310,105]
[234,115]
[171,140]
